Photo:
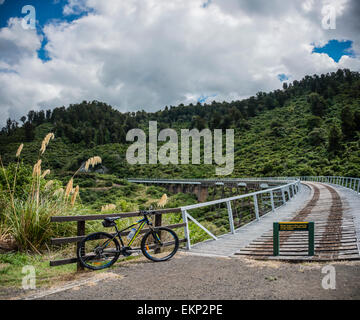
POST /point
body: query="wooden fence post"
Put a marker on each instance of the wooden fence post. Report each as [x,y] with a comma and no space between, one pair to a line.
[158,219]
[80,232]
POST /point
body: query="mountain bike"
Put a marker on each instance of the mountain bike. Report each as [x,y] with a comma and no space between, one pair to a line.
[100,250]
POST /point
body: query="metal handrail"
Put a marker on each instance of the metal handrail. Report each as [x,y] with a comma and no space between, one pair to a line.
[291,182]
[294,186]
[346,182]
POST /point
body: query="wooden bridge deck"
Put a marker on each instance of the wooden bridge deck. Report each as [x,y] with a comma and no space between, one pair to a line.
[336,230]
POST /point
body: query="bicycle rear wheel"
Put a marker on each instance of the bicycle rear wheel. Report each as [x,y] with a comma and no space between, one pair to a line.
[159,244]
[98,251]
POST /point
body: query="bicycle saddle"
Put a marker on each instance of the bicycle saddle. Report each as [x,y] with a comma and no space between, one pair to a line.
[111,219]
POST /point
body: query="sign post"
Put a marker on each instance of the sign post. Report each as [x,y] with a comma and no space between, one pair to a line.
[293,226]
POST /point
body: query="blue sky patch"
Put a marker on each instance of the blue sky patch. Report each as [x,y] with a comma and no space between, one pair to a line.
[282,77]
[45,11]
[206,4]
[203,98]
[335,49]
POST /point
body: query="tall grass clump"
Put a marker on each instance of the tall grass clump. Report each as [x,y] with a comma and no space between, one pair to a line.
[28,201]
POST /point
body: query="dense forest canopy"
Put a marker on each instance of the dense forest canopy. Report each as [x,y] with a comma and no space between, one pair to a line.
[326,111]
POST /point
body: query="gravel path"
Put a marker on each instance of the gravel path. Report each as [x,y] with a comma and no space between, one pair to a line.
[196,277]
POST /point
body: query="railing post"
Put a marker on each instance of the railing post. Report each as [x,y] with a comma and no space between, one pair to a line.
[311,238]
[283,195]
[276,242]
[186,229]
[158,222]
[256,206]
[80,232]
[272,201]
[358,187]
[231,218]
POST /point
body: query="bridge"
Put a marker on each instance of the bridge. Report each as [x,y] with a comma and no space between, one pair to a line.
[332,203]
[213,188]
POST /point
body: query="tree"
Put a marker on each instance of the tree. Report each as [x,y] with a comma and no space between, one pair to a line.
[317,137]
[8,126]
[317,104]
[215,121]
[334,139]
[313,122]
[48,115]
[277,129]
[31,115]
[41,117]
[348,124]
[357,120]
[29,131]
[198,123]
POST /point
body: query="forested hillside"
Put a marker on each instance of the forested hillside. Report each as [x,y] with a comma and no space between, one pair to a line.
[311,127]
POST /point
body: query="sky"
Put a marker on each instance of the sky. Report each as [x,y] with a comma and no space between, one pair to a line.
[148,54]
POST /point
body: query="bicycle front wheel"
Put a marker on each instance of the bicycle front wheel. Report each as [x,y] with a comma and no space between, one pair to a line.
[159,244]
[98,251]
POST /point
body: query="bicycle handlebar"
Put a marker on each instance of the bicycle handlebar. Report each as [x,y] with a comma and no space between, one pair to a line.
[144,212]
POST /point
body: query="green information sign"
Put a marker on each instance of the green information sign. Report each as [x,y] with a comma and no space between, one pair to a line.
[293,226]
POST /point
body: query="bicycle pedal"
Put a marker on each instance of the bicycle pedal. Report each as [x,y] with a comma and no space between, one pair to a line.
[126,251]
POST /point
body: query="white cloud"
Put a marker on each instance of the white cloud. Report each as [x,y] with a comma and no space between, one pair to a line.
[147,54]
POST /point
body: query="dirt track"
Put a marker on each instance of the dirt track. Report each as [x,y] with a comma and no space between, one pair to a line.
[195,277]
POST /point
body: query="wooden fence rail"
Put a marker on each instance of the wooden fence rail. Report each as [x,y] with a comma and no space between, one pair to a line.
[81,220]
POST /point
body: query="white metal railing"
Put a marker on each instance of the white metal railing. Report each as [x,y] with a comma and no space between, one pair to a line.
[346,182]
[292,188]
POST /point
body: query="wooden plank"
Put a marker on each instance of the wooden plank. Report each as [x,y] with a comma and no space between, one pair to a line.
[304,248]
[307,258]
[61,262]
[158,224]
[102,216]
[80,233]
[268,254]
[317,242]
[299,245]
[345,235]
[58,241]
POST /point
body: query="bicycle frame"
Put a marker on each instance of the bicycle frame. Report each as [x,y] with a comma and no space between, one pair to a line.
[141,224]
